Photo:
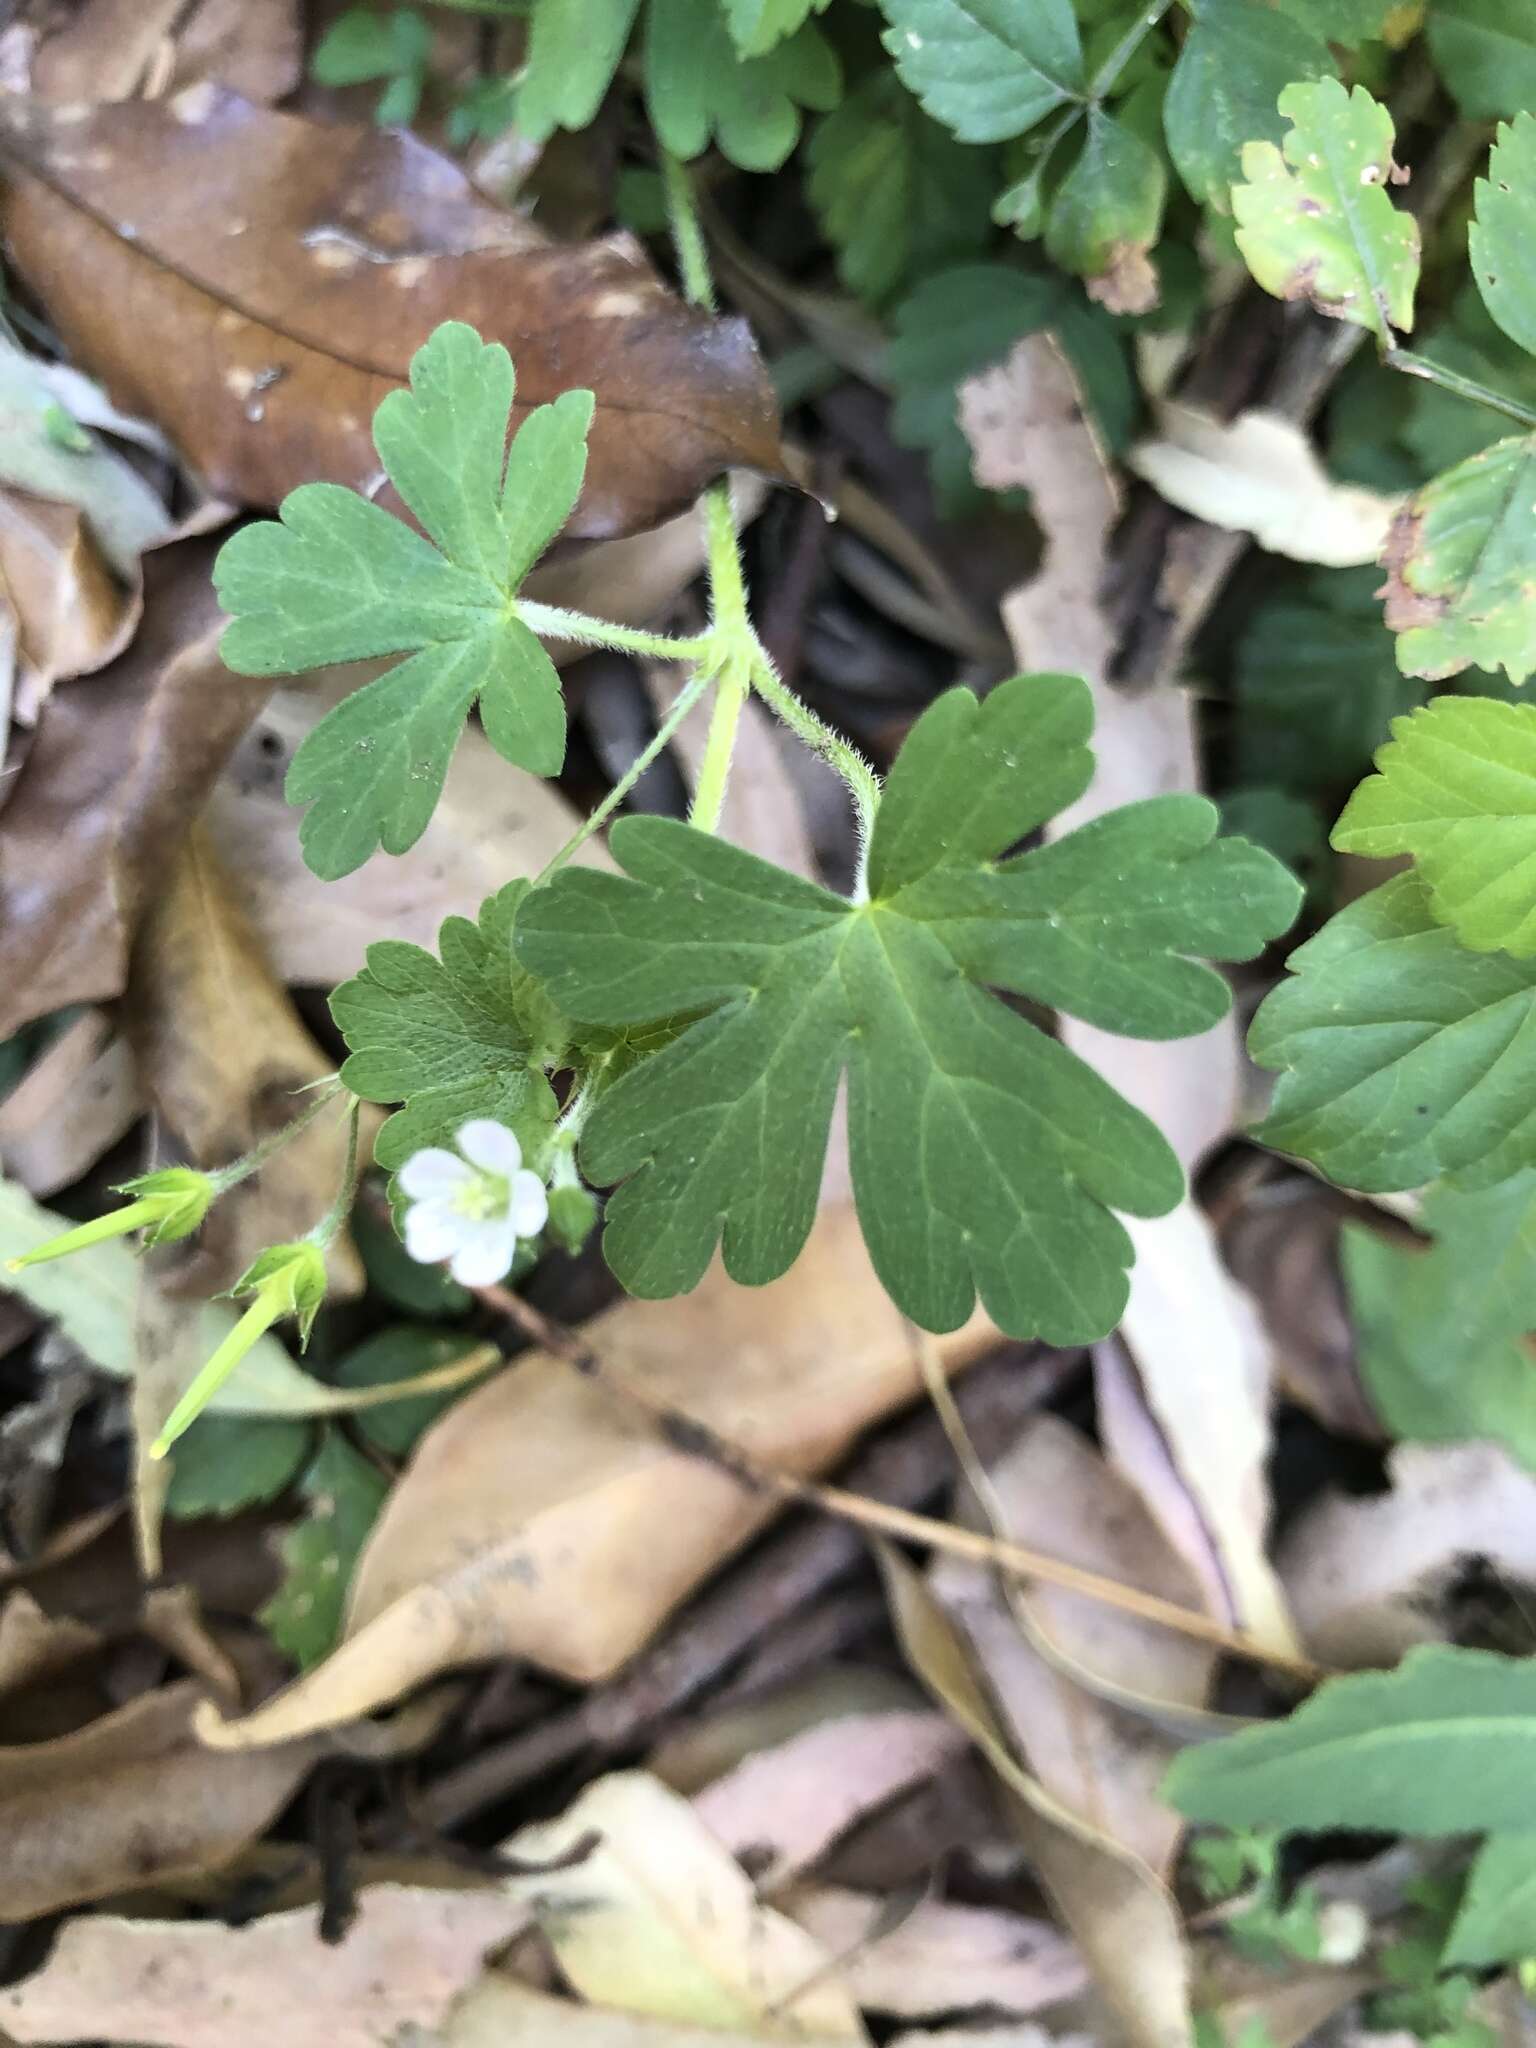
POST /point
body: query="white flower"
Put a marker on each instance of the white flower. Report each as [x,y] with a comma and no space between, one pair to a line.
[472,1211]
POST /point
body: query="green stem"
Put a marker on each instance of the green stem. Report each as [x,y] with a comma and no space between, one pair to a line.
[328,1228]
[226,1177]
[1462,387]
[1107,76]
[715,768]
[863,783]
[554,622]
[263,1312]
[687,233]
[684,702]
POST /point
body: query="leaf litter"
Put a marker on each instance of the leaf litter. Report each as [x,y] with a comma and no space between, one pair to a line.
[181,1730]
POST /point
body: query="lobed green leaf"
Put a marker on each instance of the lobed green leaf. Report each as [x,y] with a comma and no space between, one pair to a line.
[1499,239]
[698,87]
[985,1156]
[1236,60]
[1108,213]
[987,69]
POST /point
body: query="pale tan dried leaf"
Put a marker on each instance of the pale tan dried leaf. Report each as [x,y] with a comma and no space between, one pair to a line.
[499,2013]
[178,1984]
[74,1103]
[1124,1920]
[1068,1675]
[129,1801]
[36,1646]
[939,1958]
[69,614]
[492,821]
[993,2037]
[113,49]
[1029,430]
[539,1519]
[696,1753]
[1259,474]
[1370,1578]
[657,1919]
[781,1810]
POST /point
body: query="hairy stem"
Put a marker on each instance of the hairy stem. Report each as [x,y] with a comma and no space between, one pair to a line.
[715,768]
[1462,387]
[554,622]
[687,233]
[686,698]
[863,783]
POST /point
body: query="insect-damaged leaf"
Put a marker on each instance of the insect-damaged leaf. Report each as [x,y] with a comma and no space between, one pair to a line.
[985,1156]
[289,268]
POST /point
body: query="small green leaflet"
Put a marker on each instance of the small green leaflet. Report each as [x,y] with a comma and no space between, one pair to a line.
[1441,1333]
[1316,222]
[985,1156]
[1497,1921]
[345,1493]
[574,49]
[894,192]
[987,70]
[1459,558]
[1499,240]
[756,25]
[1404,1056]
[699,89]
[1107,214]
[1237,59]
[1455,787]
[226,1463]
[1485,50]
[1443,1745]
[451,1038]
[339,579]
[362,45]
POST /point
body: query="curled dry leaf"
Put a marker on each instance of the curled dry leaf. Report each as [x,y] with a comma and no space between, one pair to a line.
[540,1519]
[1081,1687]
[290,269]
[939,1958]
[178,1984]
[656,1918]
[132,1800]
[222,1056]
[493,820]
[1370,1578]
[67,615]
[114,49]
[1123,1918]
[1259,474]
[112,780]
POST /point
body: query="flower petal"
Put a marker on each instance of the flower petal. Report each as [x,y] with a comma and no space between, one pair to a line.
[529,1206]
[433,1171]
[433,1231]
[485,1254]
[490,1145]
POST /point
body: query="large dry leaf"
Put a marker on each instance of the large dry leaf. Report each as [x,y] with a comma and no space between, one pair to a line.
[1370,1578]
[223,1056]
[178,1984]
[492,821]
[288,269]
[656,1918]
[114,777]
[500,2013]
[1069,1674]
[1259,474]
[131,1800]
[939,1958]
[112,49]
[1029,430]
[1123,1918]
[541,1519]
[75,1101]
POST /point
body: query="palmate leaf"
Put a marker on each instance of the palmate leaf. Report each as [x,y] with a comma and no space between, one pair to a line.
[985,1156]
[1237,59]
[337,578]
[699,88]
[1458,561]
[1443,1745]
[449,1036]
[574,49]
[987,69]
[1455,787]
[756,25]
[1316,221]
[1404,1056]
[1499,240]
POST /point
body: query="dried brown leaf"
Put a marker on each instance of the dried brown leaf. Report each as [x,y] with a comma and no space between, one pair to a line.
[1124,1920]
[115,774]
[177,1984]
[289,269]
[74,1103]
[69,616]
[540,1519]
[112,49]
[129,1801]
